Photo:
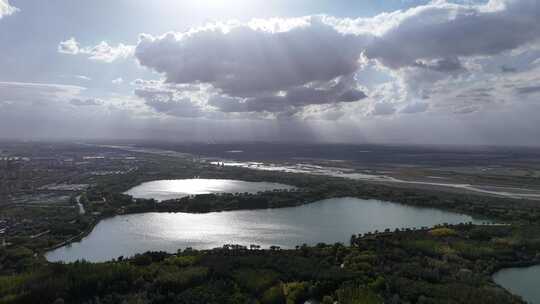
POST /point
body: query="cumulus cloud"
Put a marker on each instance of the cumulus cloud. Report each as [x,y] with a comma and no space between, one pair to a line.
[293,99]
[467,65]
[286,65]
[70,46]
[445,31]
[100,52]
[104,52]
[6,9]
[242,59]
[434,51]
[118,80]
[262,66]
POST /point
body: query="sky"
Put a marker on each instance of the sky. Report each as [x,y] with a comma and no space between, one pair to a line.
[350,71]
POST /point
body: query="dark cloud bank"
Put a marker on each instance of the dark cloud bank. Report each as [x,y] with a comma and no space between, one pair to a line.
[284,65]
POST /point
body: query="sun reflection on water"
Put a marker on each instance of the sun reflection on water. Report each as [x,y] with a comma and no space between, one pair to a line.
[171,189]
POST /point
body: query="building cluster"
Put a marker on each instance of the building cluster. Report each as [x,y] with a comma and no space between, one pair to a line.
[13,174]
[33,168]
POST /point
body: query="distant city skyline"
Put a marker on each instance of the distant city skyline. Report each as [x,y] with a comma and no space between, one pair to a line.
[374,71]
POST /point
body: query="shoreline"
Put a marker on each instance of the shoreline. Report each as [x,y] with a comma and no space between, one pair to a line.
[372,238]
[78,238]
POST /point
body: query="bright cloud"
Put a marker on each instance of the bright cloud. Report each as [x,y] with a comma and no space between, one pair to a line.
[118,80]
[82,77]
[274,66]
[6,9]
[243,60]
[285,65]
[421,70]
[100,52]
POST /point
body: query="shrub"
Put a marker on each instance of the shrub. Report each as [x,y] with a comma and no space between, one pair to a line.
[442,232]
[255,280]
[274,295]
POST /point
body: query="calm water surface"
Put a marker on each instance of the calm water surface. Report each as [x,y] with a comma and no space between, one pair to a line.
[521,281]
[329,221]
[172,189]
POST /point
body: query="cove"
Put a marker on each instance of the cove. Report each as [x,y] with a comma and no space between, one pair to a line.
[328,221]
[521,281]
[161,190]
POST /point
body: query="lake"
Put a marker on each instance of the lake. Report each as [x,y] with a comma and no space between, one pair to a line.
[329,221]
[172,189]
[521,281]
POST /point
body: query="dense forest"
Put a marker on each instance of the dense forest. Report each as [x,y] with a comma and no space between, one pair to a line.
[445,264]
